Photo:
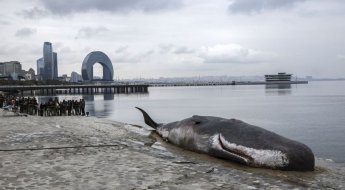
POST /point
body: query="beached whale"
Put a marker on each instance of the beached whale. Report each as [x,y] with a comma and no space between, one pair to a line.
[236,140]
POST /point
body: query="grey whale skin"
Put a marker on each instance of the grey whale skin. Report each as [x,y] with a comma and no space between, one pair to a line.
[235,140]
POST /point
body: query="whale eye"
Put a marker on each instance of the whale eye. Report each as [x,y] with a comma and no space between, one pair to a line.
[197,119]
[197,122]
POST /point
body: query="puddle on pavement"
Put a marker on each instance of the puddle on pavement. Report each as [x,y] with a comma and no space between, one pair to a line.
[138,130]
[158,145]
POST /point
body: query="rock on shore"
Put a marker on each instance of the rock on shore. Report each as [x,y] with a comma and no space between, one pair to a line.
[92,153]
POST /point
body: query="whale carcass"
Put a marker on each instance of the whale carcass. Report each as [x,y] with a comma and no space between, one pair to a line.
[237,141]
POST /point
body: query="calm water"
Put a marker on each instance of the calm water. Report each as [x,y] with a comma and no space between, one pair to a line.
[311,113]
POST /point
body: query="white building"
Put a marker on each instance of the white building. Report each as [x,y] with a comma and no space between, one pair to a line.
[75,77]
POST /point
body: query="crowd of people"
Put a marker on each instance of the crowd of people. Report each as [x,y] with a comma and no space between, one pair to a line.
[52,107]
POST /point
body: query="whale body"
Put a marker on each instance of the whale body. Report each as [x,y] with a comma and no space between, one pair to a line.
[235,140]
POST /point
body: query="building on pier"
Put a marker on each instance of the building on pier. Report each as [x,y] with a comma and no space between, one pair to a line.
[278,77]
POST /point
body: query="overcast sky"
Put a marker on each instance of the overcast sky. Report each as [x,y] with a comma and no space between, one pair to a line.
[176,38]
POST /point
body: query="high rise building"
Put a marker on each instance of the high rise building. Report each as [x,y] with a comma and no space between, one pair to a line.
[48,61]
[47,66]
[75,77]
[40,68]
[55,76]
[10,69]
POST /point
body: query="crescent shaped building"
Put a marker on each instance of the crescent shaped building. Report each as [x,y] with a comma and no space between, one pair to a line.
[97,57]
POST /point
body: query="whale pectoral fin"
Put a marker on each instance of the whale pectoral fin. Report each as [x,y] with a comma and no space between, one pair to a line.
[221,149]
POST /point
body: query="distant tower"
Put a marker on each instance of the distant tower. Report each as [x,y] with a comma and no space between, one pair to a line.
[11,69]
[55,77]
[40,68]
[48,61]
[48,70]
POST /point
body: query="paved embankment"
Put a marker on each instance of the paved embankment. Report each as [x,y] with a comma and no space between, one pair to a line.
[92,153]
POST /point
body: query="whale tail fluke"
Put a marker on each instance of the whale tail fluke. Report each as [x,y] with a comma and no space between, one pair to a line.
[148,119]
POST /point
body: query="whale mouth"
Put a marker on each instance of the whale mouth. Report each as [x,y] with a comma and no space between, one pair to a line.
[235,154]
[248,155]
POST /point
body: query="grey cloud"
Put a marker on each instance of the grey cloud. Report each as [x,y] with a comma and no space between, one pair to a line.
[170,48]
[341,57]
[165,48]
[3,50]
[183,50]
[257,6]
[128,58]
[149,52]
[63,7]
[25,32]
[3,21]
[33,13]
[125,56]
[121,49]
[233,53]
[88,32]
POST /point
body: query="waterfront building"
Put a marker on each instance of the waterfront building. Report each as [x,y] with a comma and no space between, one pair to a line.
[29,75]
[40,68]
[55,63]
[48,61]
[309,78]
[10,70]
[76,77]
[47,66]
[278,77]
[93,58]
[65,78]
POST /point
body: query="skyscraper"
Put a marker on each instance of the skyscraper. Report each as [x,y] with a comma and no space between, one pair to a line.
[10,69]
[40,68]
[55,76]
[75,77]
[48,61]
[47,66]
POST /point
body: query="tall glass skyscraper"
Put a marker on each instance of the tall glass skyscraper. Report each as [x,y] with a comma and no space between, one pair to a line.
[47,66]
[55,75]
[48,61]
[40,68]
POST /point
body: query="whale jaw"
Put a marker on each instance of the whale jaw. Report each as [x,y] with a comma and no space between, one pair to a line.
[274,159]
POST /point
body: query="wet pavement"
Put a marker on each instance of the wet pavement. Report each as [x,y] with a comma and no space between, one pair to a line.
[93,153]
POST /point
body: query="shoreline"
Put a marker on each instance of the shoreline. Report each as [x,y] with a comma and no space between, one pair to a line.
[75,152]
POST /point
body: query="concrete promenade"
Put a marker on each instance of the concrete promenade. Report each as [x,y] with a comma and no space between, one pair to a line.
[77,152]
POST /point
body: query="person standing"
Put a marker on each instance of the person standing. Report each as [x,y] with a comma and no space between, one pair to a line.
[82,106]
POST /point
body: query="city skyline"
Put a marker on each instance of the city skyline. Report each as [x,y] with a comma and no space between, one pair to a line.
[151,39]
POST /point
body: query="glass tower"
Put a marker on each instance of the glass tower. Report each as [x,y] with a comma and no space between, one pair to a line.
[48,61]
[55,75]
[40,68]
